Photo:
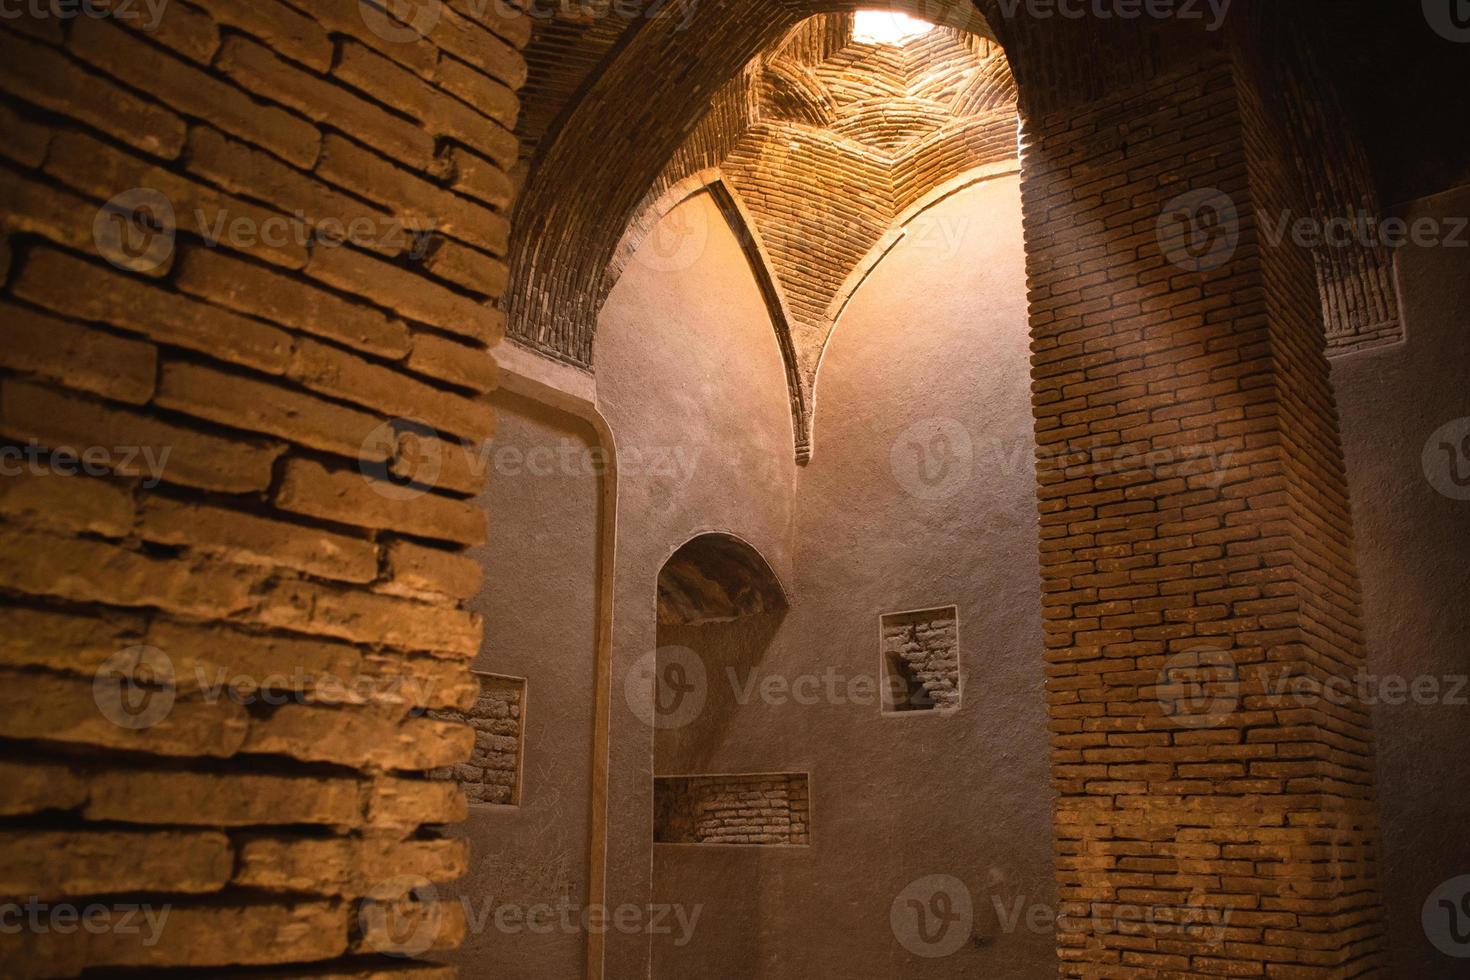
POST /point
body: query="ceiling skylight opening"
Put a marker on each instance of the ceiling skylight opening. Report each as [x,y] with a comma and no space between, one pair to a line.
[887,27]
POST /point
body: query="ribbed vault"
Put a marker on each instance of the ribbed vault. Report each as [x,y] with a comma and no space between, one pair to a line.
[818,146]
[827,141]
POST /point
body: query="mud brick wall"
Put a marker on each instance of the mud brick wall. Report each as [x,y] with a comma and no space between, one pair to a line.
[493,772]
[1172,594]
[762,810]
[922,653]
[236,405]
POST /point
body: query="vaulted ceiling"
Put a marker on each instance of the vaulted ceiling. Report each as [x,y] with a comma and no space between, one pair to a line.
[822,146]
[826,145]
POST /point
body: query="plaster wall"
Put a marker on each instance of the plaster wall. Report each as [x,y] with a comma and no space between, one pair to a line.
[540,609]
[921,494]
[691,383]
[1412,556]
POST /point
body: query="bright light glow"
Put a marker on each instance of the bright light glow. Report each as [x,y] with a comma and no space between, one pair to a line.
[887,27]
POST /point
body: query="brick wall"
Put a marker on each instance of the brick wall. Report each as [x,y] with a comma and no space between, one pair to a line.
[237,402]
[1174,592]
[921,652]
[752,810]
[493,772]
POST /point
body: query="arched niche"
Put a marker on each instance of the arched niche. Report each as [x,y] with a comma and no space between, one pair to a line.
[716,578]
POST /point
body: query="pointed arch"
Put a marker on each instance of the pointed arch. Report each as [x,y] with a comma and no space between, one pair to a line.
[738,217]
[717,577]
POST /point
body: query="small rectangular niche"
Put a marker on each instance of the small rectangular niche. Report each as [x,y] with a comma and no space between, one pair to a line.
[921,660]
[498,716]
[762,810]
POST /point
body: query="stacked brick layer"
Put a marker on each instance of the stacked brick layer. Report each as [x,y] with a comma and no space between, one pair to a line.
[224,624]
[1177,594]
[922,651]
[752,810]
[493,772]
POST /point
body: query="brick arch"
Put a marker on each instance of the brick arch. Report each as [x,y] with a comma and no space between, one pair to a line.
[741,223]
[817,127]
[716,577]
[569,226]
[880,250]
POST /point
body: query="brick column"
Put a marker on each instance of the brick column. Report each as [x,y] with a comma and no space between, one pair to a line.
[251,255]
[1214,815]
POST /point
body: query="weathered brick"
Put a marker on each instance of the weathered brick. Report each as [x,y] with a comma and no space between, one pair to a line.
[25,141]
[200,799]
[64,642]
[45,77]
[415,569]
[441,923]
[248,539]
[38,787]
[86,291]
[466,39]
[91,571]
[27,205]
[391,802]
[405,293]
[478,177]
[55,864]
[318,671]
[440,464]
[223,221]
[346,17]
[360,736]
[307,607]
[259,406]
[455,363]
[467,268]
[442,114]
[163,451]
[304,211]
[79,503]
[412,199]
[123,370]
[204,936]
[508,20]
[345,866]
[257,70]
[71,710]
[182,28]
[291,33]
[342,375]
[192,91]
[489,96]
[261,292]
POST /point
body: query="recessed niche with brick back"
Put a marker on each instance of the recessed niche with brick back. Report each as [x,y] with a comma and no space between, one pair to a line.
[921,660]
[493,774]
[770,810]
